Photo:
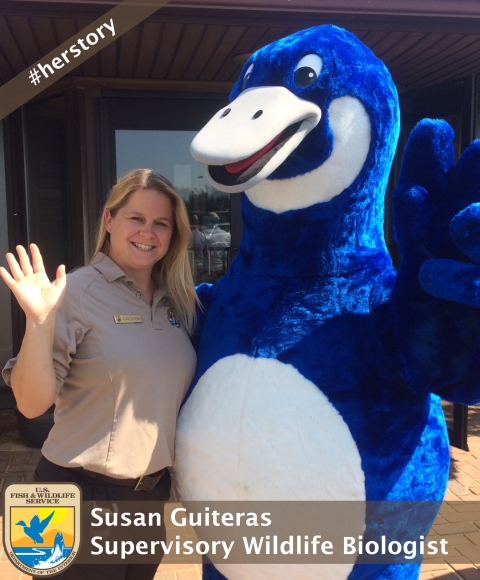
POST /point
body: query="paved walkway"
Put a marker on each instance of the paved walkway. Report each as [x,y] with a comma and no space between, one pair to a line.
[459,519]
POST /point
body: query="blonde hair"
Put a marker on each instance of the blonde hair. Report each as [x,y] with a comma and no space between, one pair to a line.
[174,267]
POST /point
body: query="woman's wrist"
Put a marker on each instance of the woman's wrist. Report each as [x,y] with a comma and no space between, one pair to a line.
[43,325]
[42,320]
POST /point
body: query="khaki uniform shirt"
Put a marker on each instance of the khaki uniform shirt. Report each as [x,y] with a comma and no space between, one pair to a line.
[119,385]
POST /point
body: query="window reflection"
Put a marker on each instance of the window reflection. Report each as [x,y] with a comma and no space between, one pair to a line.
[168,152]
[213,240]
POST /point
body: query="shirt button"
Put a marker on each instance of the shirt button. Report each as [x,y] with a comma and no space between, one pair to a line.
[130,283]
[139,295]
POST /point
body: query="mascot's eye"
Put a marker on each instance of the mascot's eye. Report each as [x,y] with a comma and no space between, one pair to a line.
[247,76]
[307,70]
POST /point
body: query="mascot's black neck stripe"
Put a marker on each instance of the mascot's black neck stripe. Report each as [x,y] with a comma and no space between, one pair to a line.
[221,175]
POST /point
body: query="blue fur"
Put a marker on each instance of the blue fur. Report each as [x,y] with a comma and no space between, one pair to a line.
[315,287]
[437,291]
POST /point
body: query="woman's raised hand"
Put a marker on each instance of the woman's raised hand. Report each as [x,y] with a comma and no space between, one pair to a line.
[38,297]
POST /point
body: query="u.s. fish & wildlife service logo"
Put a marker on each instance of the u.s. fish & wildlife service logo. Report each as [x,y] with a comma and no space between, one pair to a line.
[41,526]
[172,317]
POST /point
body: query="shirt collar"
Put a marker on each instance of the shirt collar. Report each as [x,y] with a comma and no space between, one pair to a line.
[111,271]
[107,267]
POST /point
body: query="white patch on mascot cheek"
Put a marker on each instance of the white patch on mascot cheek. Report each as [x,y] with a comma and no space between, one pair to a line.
[256,429]
[351,130]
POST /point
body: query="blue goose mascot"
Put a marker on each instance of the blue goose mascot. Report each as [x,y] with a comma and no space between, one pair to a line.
[321,367]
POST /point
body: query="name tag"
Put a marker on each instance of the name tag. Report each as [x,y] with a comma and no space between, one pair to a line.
[127,318]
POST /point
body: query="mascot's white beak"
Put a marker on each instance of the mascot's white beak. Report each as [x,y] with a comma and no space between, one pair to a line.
[246,141]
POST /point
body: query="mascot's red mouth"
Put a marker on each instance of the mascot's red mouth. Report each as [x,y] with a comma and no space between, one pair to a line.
[244,163]
[243,170]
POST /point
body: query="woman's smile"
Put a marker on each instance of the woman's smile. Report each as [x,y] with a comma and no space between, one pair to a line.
[142,247]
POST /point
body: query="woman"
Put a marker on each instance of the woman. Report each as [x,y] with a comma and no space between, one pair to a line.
[109,344]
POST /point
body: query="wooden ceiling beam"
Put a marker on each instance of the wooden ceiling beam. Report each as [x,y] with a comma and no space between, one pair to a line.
[450,8]
[150,84]
[243,13]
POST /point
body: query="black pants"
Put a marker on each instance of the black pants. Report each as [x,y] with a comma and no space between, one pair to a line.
[92,490]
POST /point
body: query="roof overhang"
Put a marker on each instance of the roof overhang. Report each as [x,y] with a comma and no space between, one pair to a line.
[423,42]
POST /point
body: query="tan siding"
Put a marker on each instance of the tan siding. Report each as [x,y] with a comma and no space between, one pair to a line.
[227,45]
[168,44]
[128,50]
[206,49]
[196,45]
[149,45]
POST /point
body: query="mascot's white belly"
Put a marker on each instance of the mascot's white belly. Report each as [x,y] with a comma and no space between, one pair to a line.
[256,429]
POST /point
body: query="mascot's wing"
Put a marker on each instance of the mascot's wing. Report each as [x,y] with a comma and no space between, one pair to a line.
[437,292]
[204,293]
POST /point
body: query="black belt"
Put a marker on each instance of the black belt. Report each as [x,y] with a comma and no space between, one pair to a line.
[144,483]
